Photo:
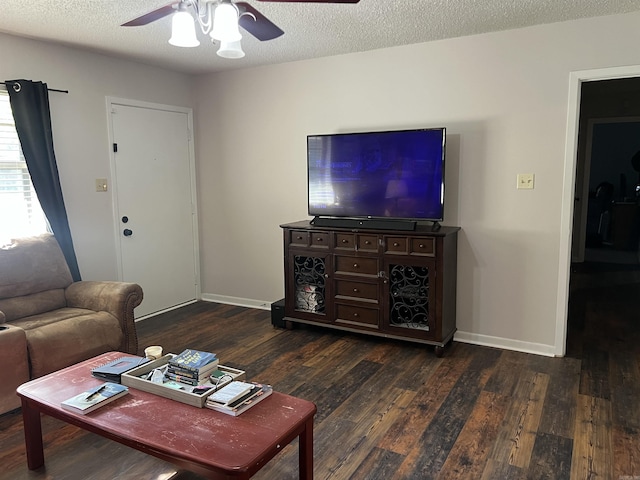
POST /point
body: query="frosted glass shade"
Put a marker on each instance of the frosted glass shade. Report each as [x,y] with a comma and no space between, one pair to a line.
[183,30]
[225,23]
[230,50]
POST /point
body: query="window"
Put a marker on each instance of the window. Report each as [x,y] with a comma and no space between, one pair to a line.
[20,212]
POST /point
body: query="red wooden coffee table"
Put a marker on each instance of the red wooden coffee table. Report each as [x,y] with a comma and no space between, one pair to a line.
[206,442]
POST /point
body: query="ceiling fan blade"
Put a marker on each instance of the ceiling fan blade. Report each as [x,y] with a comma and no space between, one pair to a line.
[262,28]
[151,16]
[312,1]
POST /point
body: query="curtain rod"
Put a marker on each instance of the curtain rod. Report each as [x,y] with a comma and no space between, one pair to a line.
[50,89]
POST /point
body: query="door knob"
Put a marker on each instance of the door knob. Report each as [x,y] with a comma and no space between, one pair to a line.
[125,219]
[127,232]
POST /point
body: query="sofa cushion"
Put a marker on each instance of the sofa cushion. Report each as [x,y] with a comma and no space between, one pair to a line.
[15,308]
[13,356]
[37,321]
[31,265]
[58,339]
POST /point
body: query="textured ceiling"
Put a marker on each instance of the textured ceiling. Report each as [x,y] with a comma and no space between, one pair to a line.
[311,29]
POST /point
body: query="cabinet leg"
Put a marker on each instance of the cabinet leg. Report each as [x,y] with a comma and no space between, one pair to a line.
[288,325]
[439,351]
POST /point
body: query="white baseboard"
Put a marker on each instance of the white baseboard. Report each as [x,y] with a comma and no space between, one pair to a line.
[505,343]
[238,301]
[464,337]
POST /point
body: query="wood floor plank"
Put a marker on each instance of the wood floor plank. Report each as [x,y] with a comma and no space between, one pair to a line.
[592,442]
[625,389]
[626,453]
[594,379]
[507,373]
[528,421]
[551,458]
[380,464]
[559,413]
[495,470]
[468,457]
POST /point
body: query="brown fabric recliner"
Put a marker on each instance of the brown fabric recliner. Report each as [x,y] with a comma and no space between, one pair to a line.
[51,322]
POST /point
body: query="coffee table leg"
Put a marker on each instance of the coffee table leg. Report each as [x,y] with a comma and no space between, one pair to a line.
[32,436]
[305,451]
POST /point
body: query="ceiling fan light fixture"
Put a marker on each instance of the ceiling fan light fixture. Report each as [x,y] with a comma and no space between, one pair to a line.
[230,50]
[183,30]
[225,23]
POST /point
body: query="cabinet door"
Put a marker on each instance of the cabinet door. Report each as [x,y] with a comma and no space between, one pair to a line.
[409,297]
[308,286]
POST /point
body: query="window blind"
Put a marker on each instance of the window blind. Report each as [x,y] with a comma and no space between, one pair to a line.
[20,212]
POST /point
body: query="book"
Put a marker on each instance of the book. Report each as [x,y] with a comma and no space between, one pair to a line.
[94,398]
[231,392]
[186,380]
[204,372]
[258,393]
[111,371]
[193,360]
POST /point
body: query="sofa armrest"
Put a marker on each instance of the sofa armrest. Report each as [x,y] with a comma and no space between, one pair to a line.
[117,298]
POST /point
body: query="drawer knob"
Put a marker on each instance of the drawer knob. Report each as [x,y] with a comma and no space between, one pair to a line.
[355,265]
[396,244]
[355,315]
[355,290]
[299,238]
[421,245]
[344,240]
[319,239]
[367,242]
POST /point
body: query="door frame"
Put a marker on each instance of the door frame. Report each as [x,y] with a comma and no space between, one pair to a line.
[569,188]
[111,102]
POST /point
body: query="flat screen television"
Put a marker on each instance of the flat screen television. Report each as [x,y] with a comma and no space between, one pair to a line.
[388,175]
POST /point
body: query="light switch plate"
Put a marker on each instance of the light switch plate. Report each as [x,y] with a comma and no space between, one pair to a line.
[525,181]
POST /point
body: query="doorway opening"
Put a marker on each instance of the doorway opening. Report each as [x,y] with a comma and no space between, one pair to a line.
[604,281]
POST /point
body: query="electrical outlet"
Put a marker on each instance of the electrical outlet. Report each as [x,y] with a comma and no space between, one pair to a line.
[525,181]
[101,184]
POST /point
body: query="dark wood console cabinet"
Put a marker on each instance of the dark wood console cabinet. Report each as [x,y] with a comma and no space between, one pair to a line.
[395,284]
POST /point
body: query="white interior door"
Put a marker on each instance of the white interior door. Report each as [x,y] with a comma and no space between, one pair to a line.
[154,203]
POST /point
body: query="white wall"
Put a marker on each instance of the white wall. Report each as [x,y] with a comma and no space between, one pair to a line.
[503,98]
[80,133]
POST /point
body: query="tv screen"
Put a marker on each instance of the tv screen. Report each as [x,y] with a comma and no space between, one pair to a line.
[393,174]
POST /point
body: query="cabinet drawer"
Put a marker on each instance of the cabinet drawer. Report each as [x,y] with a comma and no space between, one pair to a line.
[345,241]
[396,245]
[357,265]
[361,290]
[368,243]
[357,315]
[299,238]
[423,246]
[319,239]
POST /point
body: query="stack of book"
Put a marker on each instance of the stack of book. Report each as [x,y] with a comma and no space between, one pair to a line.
[192,367]
[238,397]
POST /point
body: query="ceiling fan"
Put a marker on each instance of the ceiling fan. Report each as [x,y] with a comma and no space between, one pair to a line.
[220,20]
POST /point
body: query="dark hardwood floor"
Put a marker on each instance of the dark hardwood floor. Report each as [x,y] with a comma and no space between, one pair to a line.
[393,410]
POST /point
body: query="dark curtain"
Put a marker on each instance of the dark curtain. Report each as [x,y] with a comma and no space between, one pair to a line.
[30,106]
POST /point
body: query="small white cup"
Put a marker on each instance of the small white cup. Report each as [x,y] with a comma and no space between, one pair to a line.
[153,352]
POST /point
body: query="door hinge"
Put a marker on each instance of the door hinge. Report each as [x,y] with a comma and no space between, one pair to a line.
[115,148]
